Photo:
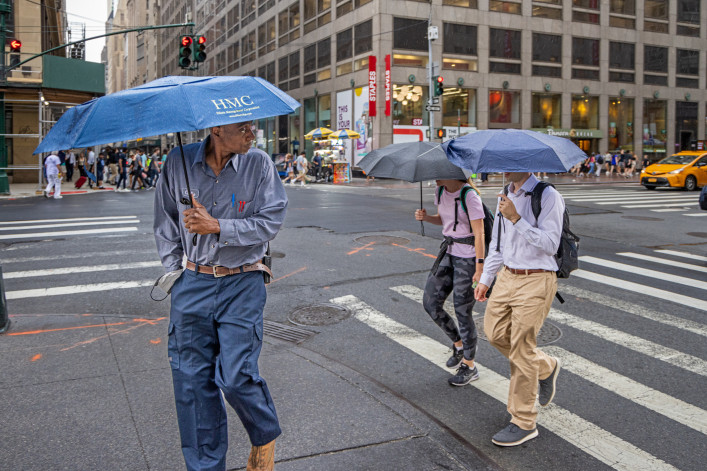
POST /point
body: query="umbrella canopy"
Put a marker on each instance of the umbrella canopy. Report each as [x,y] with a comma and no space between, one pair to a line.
[318,133]
[344,134]
[412,162]
[513,150]
[169,104]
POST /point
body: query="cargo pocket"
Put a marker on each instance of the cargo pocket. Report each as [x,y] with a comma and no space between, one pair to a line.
[172,347]
[256,342]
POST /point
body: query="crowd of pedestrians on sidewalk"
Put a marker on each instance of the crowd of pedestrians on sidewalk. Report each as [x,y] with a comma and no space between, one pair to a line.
[621,164]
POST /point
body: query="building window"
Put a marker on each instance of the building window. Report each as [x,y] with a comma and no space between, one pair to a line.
[685,124]
[344,45]
[546,110]
[688,18]
[655,65]
[408,105]
[655,16]
[324,53]
[234,20]
[687,68]
[551,9]
[513,7]
[265,5]
[267,72]
[310,64]
[233,56]
[459,107]
[621,56]
[266,37]
[317,13]
[410,34]
[363,37]
[504,44]
[324,108]
[461,3]
[620,123]
[409,60]
[547,48]
[288,23]
[466,65]
[247,12]
[585,58]
[586,11]
[585,112]
[459,39]
[655,113]
[622,14]
[343,7]
[288,74]
[248,48]
[504,109]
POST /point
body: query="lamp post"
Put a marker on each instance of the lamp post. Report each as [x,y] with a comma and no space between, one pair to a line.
[5,10]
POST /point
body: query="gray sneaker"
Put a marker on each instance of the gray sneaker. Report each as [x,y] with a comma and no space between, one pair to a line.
[513,436]
[464,375]
[546,387]
[456,358]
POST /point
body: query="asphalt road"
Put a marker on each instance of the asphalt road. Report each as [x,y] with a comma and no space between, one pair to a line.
[631,332]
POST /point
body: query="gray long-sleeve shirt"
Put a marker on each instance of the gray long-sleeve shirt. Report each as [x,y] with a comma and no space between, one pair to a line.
[247,198]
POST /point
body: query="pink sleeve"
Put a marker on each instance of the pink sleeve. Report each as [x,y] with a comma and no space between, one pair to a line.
[474,206]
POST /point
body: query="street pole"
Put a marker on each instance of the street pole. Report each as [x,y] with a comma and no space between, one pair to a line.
[430,69]
[5,9]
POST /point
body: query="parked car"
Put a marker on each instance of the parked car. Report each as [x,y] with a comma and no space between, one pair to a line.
[686,169]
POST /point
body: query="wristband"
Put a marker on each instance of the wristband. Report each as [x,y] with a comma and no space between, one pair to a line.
[479,260]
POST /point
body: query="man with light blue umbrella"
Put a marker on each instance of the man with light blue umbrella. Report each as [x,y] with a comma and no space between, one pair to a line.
[216,318]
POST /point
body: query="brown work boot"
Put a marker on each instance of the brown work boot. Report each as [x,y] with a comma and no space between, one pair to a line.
[262,458]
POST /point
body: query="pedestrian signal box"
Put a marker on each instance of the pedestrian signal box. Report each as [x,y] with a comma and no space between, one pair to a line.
[199,48]
[185,51]
[441,133]
[439,85]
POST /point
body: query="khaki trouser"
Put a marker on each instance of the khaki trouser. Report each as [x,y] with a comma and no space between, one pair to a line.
[515,312]
[113,173]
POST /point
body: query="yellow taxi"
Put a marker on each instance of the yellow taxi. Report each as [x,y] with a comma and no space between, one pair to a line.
[686,169]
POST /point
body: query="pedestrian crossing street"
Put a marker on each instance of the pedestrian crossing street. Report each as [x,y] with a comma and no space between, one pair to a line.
[36,229]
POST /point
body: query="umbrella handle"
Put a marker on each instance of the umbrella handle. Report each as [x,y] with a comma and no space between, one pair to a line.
[422,225]
[186,177]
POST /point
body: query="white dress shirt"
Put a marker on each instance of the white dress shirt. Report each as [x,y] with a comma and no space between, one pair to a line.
[527,244]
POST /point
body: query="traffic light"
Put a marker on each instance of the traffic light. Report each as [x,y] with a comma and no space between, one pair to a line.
[439,85]
[185,43]
[199,48]
[441,133]
[15,45]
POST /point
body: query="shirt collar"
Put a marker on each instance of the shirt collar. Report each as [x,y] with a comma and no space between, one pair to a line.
[527,186]
[199,157]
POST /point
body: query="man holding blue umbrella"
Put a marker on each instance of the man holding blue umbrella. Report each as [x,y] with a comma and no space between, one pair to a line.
[216,318]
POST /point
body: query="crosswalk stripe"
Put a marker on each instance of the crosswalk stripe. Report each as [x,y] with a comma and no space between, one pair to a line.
[103,254]
[644,272]
[667,210]
[632,308]
[621,199]
[697,215]
[70,224]
[84,269]
[581,433]
[683,254]
[415,293]
[98,218]
[643,289]
[675,409]
[663,261]
[666,354]
[651,205]
[672,199]
[67,233]
[63,290]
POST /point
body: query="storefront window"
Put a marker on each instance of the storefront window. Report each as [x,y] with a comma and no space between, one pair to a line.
[504,109]
[620,123]
[408,105]
[324,102]
[546,110]
[685,124]
[654,128]
[585,112]
[459,107]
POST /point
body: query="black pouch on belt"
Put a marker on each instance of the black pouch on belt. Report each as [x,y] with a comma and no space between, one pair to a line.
[267,261]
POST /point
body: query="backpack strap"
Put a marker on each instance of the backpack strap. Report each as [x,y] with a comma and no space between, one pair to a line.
[536,197]
[440,189]
[500,221]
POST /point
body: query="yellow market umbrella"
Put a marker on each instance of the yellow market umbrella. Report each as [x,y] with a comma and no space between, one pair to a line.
[344,134]
[318,133]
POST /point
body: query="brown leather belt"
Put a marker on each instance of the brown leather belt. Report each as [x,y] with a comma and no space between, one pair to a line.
[525,271]
[218,271]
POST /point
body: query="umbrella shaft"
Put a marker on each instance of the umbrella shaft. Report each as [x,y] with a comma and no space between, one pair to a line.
[184,165]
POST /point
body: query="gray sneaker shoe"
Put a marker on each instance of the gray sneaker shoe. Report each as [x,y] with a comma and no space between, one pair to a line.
[546,387]
[513,436]
[456,358]
[464,375]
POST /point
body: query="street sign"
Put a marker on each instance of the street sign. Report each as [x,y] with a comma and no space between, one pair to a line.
[435,101]
[433,108]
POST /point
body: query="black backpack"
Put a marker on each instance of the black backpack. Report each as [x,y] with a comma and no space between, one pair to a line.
[567,253]
[488,215]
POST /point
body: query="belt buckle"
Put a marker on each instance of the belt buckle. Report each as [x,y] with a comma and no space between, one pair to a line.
[216,275]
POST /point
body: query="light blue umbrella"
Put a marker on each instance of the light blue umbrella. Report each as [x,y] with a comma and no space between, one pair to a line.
[513,150]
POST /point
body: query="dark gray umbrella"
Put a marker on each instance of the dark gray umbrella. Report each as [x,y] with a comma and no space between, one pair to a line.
[412,162]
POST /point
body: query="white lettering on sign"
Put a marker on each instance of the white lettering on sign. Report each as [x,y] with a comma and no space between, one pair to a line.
[372,86]
[417,121]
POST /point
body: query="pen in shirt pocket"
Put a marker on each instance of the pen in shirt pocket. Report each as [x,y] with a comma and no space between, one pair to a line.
[233,200]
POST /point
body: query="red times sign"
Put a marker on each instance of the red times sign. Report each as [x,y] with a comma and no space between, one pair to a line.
[387,85]
[371,85]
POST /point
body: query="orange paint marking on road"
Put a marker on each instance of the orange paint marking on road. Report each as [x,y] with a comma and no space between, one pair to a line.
[150,321]
[365,247]
[156,341]
[289,274]
[326,287]
[419,250]
[36,357]
[33,332]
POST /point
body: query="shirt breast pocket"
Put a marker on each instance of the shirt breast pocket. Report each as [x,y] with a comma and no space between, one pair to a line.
[244,209]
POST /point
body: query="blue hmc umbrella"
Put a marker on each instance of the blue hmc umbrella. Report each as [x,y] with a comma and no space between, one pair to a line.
[513,150]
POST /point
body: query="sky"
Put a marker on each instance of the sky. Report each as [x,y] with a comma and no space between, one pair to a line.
[94,14]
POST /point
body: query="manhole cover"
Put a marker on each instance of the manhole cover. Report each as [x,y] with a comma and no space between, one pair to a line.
[642,218]
[548,334]
[698,234]
[319,314]
[382,240]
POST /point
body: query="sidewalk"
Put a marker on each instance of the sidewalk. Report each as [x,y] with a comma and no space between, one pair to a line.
[26,190]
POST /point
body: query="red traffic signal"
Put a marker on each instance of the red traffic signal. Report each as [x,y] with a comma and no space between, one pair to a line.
[441,132]
[440,79]
[201,40]
[186,41]
[15,45]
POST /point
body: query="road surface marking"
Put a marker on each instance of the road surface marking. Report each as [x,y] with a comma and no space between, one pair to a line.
[650,205]
[100,218]
[667,210]
[675,409]
[63,290]
[70,224]
[644,290]
[697,215]
[89,268]
[683,280]
[581,433]
[664,261]
[87,255]
[683,255]
[67,233]
[634,199]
